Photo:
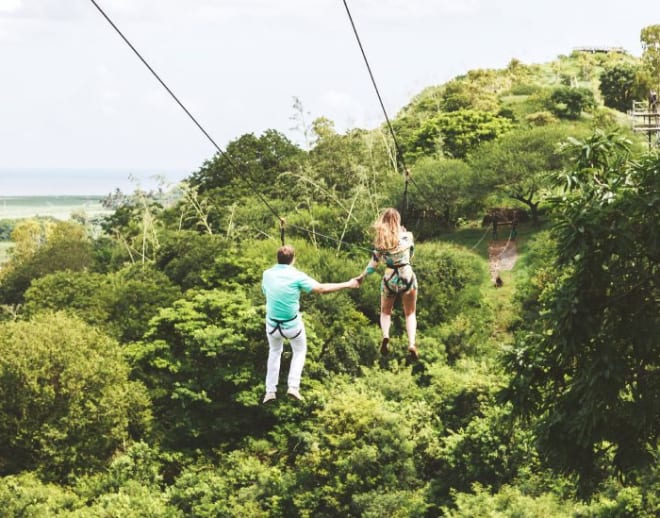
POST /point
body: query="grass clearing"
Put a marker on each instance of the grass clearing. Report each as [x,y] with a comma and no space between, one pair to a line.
[499,300]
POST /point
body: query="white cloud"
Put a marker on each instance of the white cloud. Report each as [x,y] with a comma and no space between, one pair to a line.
[9,6]
[413,9]
[235,64]
[42,9]
[355,115]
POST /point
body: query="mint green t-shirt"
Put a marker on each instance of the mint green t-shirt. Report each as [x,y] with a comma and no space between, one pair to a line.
[282,285]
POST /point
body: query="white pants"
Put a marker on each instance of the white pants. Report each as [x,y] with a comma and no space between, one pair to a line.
[275,347]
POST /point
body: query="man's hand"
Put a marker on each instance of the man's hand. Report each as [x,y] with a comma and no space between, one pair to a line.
[357,280]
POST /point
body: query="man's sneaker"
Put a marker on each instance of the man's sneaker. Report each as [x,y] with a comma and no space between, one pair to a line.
[383,346]
[295,394]
[270,396]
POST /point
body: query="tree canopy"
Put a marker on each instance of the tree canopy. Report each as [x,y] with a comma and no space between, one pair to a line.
[133,353]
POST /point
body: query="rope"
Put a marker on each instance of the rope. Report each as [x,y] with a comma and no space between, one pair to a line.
[190,115]
[480,240]
[336,240]
[399,154]
[407,176]
[217,147]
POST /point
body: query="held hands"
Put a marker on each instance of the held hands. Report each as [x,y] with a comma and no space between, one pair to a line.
[353,283]
[356,282]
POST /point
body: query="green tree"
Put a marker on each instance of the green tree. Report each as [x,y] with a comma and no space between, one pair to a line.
[121,303]
[650,39]
[477,90]
[358,450]
[136,225]
[446,189]
[75,292]
[25,496]
[619,86]
[131,486]
[65,397]
[518,164]
[133,296]
[587,366]
[341,162]
[200,361]
[569,103]
[43,249]
[455,134]
[187,258]
[249,162]
[243,483]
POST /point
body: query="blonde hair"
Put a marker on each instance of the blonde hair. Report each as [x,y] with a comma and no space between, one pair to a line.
[387,228]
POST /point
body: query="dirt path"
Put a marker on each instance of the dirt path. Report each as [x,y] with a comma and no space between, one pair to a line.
[502,256]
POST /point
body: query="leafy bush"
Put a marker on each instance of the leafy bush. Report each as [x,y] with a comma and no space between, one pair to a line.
[489,450]
[524,89]
[449,282]
[241,485]
[43,248]
[65,397]
[358,446]
[542,118]
[203,361]
[25,496]
[455,134]
[121,303]
[569,103]
[508,501]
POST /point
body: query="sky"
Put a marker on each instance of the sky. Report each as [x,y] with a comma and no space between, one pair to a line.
[73,96]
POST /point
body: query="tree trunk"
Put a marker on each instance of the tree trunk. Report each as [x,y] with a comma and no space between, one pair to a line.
[533,208]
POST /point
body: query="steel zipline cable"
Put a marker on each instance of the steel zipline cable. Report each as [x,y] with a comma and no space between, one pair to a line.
[399,154]
[397,148]
[224,154]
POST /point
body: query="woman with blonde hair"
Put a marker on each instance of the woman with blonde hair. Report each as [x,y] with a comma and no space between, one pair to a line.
[394,246]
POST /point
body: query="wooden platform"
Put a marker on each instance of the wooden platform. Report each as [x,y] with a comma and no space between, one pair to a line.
[644,118]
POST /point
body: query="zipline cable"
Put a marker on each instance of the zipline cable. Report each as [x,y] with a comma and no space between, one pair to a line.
[399,154]
[224,154]
[190,115]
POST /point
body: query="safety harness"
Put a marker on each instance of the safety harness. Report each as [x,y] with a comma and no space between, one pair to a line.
[395,271]
[278,327]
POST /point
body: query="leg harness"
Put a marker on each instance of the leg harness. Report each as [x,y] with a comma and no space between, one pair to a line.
[278,327]
[395,272]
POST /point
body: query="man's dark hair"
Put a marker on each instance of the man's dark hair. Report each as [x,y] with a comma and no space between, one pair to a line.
[285,254]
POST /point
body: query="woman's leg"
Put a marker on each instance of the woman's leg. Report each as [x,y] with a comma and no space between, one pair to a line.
[386,305]
[409,300]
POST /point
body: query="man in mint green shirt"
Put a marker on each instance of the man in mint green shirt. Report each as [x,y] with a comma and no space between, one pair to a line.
[282,285]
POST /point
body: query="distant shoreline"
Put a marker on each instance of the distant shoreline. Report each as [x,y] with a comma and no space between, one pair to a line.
[56,206]
[19,182]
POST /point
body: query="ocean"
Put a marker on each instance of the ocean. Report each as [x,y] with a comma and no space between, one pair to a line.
[58,193]
[58,207]
[83,182]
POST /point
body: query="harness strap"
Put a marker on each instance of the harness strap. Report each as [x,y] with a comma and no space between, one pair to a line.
[395,271]
[278,327]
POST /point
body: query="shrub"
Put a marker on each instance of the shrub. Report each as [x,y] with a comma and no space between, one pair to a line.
[65,397]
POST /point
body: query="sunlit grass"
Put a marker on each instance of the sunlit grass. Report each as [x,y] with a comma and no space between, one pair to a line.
[501,301]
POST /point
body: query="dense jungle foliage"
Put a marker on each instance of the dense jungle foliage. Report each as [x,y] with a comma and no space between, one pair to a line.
[132,360]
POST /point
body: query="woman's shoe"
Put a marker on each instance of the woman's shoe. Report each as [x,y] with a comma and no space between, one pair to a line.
[383,346]
[412,353]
